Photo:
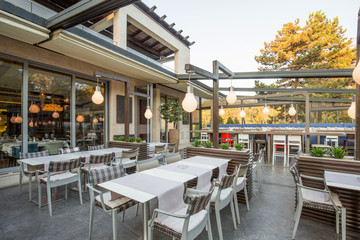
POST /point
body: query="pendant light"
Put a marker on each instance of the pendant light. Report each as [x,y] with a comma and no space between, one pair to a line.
[18,119]
[34,108]
[222,111]
[242,113]
[189,103]
[12,119]
[95,120]
[55,114]
[97,98]
[31,123]
[231,97]
[292,110]
[356,73]
[352,108]
[266,110]
[80,118]
[148,113]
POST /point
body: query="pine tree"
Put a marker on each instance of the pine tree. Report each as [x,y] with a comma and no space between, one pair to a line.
[229,121]
[236,120]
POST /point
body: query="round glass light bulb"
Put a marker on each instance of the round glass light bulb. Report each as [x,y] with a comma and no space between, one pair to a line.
[351,110]
[266,110]
[34,108]
[80,118]
[356,73]
[189,103]
[148,113]
[18,119]
[12,119]
[31,123]
[95,120]
[97,98]
[242,113]
[292,110]
[55,115]
[231,97]
[221,111]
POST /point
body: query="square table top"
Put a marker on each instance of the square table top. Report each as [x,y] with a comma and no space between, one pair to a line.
[342,180]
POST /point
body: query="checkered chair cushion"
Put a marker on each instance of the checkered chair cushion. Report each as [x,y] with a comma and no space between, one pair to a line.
[98,147]
[168,231]
[294,169]
[196,203]
[132,153]
[34,154]
[106,158]
[319,206]
[98,176]
[227,181]
[68,150]
[65,165]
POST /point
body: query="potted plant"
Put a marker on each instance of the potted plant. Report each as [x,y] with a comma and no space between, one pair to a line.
[208,144]
[138,140]
[224,146]
[337,152]
[131,139]
[197,143]
[239,146]
[317,152]
[172,112]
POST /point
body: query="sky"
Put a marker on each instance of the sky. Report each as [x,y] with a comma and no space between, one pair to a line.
[234,31]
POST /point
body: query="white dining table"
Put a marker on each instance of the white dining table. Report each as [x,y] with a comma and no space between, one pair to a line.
[146,186]
[342,180]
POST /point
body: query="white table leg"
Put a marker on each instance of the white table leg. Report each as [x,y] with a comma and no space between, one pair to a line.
[145,213]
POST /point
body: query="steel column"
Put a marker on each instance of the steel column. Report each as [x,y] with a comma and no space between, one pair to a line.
[357,111]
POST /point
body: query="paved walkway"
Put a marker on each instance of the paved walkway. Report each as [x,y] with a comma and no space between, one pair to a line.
[270,217]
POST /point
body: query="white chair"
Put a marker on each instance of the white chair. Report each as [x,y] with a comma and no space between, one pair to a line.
[240,184]
[98,161]
[204,137]
[258,166]
[245,139]
[159,151]
[294,146]
[222,197]
[279,142]
[171,147]
[319,199]
[111,203]
[128,158]
[171,158]
[185,223]
[147,164]
[30,171]
[60,174]
[332,141]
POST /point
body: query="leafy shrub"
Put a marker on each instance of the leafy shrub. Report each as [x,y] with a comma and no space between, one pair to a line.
[337,152]
[208,144]
[317,152]
[116,138]
[122,139]
[138,140]
[224,146]
[197,143]
[239,146]
[131,139]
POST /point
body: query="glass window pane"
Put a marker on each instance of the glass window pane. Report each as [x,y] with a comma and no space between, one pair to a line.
[10,111]
[89,116]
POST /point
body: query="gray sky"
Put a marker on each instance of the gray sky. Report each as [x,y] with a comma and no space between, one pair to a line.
[234,31]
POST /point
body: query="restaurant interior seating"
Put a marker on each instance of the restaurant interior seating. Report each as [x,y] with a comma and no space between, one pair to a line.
[239,185]
[279,148]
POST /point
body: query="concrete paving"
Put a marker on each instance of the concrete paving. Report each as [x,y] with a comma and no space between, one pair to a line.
[270,217]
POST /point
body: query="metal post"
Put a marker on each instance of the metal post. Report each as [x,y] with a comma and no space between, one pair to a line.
[147,120]
[24,107]
[127,111]
[357,111]
[73,112]
[152,110]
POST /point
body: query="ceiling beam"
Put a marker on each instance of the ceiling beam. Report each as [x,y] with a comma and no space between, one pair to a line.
[137,32]
[103,23]
[199,71]
[168,59]
[310,90]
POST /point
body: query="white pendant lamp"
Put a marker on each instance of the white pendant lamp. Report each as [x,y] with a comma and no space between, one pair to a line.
[97,98]
[231,97]
[12,119]
[55,114]
[95,120]
[148,114]
[292,110]
[221,111]
[352,108]
[189,103]
[80,118]
[242,113]
[266,110]
[356,73]
[34,108]
[18,119]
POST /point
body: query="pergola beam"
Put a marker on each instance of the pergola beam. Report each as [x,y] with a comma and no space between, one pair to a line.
[309,90]
[103,23]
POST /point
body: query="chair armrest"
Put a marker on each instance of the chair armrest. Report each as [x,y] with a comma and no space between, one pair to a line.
[157,211]
[311,177]
[92,189]
[313,189]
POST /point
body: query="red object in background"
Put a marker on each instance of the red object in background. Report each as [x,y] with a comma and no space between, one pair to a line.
[226,138]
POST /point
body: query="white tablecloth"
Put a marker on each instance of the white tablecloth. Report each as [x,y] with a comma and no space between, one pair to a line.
[221,163]
[342,178]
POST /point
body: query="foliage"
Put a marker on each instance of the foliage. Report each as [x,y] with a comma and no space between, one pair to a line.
[116,138]
[208,144]
[317,152]
[236,120]
[224,146]
[122,139]
[138,140]
[131,139]
[197,143]
[229,121]
[239,146]
[171,111]
[337,152]
[221,120]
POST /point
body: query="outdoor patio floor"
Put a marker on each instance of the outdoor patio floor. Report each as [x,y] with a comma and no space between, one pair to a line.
[270,216]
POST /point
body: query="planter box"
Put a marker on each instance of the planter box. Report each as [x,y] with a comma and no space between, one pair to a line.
[237,157]
[315,166]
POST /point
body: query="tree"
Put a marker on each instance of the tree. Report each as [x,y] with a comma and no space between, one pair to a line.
[229,121]
[236,120]
[221,120]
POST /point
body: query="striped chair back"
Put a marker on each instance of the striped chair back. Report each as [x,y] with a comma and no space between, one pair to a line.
[172,157]
[97,147]
[34,154]
[294,169]
[65,165]
[98,176]
[132,153]
[227,180]
[68,150]
[171,147]
[159,148]
[196,203]
[242,170]
[106,158]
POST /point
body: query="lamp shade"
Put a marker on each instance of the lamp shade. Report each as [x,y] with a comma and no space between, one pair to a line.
[189,103]
[34,108]
[95,120]
[97,97]
[148,113]
[31,123]
[55,115]
[18,119]
[356,73]
[292,110]
[231,97]
[12,119]
[242,113]
[221,111]
[101,119]
[80,118]
[351,110]
[266,110]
